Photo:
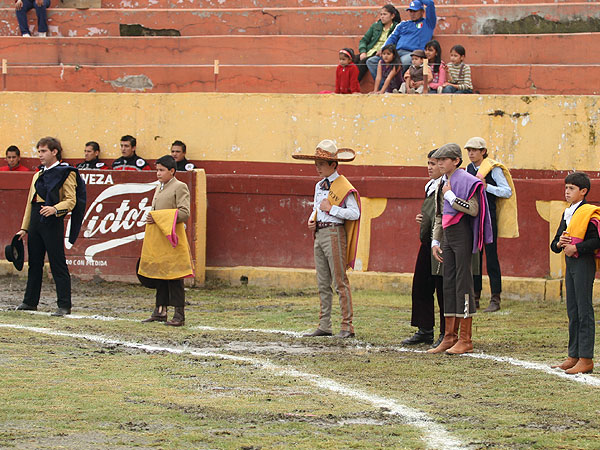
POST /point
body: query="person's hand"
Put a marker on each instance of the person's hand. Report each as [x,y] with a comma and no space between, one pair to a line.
[378,53]
[47,211]
[363,56]
[445,84]
[482,179]
[312,225]
[437,253]
[564,239]
[325,205]
[149,218]
[18,5]
[446,187]
[39,3]
[21,234]
[570,250]
[419,218]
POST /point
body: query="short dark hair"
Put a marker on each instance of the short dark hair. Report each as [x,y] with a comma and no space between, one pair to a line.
[130,139]
[52,144]
[179,143]
[13,148]
[579,179]
[459,49]
[333,162]
[430,154]
[94,145]
[168,161]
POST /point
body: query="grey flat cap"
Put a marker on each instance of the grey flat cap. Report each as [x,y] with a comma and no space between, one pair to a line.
[448,151]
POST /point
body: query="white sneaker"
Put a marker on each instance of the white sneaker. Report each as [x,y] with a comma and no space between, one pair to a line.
[25,35]
[440,89]
[42,34]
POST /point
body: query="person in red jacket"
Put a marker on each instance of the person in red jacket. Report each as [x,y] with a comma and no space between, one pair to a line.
[13,159]
[346,75]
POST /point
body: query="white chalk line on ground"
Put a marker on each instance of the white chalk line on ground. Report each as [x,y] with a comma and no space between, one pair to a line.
[528,365]
[435,436]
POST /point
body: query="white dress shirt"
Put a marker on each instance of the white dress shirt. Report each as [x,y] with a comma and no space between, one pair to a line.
[348,209]
[570,211]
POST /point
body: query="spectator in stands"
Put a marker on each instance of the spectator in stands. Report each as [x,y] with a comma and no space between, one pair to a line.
[433,52]
[388,71]
[91,155]
[413,34]
[346,75]
[459,73]
[23,6]
[371,44]
[129,160]
[413,78]
[178,151]
[13,159]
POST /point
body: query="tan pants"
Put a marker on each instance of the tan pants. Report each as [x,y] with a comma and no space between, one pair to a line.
[330,262]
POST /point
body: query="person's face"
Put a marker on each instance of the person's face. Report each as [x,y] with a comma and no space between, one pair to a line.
[47,157]
[447,165]
[177,153]
[455,58]
[126,149]
[163,174]
[344,59]
[385,16]
[432,168]
[574,194]
[430,53]
[476,155]
[90,154]
[416,15]
[387,56]
[324,168]
[12,159]
[416,60]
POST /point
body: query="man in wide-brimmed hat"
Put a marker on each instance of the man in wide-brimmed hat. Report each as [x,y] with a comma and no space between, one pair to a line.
[334,222]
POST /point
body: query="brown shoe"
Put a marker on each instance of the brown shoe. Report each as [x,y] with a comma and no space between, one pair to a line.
[494,304]
[317,333]
[157,315]
[567,364]
[178,319]
[464,344]
[450,336]
[344,334]
[584,365]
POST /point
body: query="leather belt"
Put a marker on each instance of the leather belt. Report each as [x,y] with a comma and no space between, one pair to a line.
[321,225]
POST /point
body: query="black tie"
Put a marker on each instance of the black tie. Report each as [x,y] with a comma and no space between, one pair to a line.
[325,184]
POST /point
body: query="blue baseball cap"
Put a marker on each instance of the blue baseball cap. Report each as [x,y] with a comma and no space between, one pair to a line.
[415,5]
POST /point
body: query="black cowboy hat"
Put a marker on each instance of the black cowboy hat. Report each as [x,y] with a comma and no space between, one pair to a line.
[15,252]
[146,282]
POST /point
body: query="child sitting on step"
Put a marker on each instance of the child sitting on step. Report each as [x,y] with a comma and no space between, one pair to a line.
[459,73]
[346,75]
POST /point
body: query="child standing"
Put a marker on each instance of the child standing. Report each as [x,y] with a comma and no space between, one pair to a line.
[388,71]
[459,73]
[334,222]
[413,77]
[346,75]
[577,235]
[438,75]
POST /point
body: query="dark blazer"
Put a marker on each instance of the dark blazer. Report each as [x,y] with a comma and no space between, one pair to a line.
[590,243]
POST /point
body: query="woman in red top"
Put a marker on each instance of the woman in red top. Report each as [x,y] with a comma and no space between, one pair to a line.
[346,75]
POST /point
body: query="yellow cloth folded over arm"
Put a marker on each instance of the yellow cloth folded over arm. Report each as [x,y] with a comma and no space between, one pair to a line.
[508,222]
[165,251]
[339,190]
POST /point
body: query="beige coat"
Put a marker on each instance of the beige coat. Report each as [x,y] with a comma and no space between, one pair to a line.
[174,195]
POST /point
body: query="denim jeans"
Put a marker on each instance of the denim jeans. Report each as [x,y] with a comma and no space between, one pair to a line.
[453,90]
[41,16]
[372,62]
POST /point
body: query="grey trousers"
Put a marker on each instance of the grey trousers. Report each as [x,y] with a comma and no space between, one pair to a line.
[330,263]
[579,281]
[457,251]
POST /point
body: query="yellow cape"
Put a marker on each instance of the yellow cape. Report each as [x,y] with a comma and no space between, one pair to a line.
[579,224]
[165,252]
[508,222]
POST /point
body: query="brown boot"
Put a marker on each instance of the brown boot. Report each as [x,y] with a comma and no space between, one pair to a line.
[477,297]
[567,364]
[178,319]
[450,336]
[158,315]
[584,365]
[494,304]
[464,344]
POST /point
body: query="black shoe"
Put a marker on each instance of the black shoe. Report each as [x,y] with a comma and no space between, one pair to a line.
[26,307]
[61,312]
[344,334]
[318,332]
[420,337]
[438,342]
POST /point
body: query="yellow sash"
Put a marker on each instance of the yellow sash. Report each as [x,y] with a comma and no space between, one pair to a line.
[579,224]
[340,188]
[165,251]
[508,222]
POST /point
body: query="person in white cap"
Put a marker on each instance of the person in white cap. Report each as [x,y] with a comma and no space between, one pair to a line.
[334,222]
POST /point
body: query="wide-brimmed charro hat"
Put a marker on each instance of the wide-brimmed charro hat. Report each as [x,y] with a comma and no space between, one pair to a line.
[327,151]
[15,252]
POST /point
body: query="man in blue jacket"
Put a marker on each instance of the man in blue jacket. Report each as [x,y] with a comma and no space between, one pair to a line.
[413,34]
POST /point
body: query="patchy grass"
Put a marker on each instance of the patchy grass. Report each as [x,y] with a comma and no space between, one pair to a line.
[63,392]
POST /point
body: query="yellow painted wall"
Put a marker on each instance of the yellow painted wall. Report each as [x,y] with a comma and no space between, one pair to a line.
[532,132]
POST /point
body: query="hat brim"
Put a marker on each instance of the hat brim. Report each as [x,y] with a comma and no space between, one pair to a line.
[342,155]
[15,253]
[413,9]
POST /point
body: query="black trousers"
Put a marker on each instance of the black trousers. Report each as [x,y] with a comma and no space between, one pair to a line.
[492,264]
[47,237]
[424,285]
[579,281]
[170,293]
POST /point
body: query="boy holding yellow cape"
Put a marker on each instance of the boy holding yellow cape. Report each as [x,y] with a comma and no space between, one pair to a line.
[578,236]
[334,222]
